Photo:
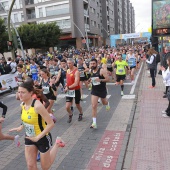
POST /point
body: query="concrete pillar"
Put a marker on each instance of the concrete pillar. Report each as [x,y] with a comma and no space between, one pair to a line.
[78,43]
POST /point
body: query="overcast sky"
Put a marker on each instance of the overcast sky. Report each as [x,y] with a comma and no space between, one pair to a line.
[142,14]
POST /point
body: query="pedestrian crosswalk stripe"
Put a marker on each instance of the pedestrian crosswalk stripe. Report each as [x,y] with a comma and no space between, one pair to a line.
[108,96]
[62,96]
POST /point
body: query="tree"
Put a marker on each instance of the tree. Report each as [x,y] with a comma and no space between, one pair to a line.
[39,35]
[3,37]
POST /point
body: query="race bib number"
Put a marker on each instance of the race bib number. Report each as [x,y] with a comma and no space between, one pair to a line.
[82,74]
[52,72]
[46,90]
[120,70]
[29,130]
[94,82]
[56,73]
[130,63]
[70,93]
[33,71]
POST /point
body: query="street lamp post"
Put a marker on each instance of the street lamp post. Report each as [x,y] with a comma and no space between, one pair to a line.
[79,30]
[9,27]
[87,40]
[18,37]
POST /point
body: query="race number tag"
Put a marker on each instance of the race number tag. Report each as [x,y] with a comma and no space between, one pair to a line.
[130,63]
[120,70]
[70,93]
[56,73]
[29,130]
[82,74]
[46,90]
[94,82]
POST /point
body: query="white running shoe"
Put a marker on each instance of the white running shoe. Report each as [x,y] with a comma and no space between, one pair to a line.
[16,141]
[165,115]
[163,112]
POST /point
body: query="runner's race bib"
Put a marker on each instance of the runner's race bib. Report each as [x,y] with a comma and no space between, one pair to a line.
[52,72]
[70,93]
[120,70]
[46,90]
[94,82]
[33,71]
[82,74]
[56,73]
[29,130]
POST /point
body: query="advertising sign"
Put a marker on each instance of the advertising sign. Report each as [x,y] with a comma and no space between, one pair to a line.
[160,17]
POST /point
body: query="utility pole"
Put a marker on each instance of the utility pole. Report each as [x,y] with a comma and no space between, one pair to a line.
[87,40]
[9,28]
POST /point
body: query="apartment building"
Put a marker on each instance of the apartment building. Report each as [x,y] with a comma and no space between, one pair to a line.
[78,19]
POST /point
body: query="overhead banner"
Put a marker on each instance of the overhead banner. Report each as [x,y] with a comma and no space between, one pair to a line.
[132,35]
[8,80]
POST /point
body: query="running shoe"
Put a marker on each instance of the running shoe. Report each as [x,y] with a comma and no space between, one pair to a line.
[53,118]
[107,107]
[80,117]
[122,93]
[53,110]
[16,141]
[94,126]
[151,87]
[69,118]
[164,112]
[38,156]
[165,115]
[60,142]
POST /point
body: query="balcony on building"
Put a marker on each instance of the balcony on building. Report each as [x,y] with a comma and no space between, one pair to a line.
[31,14]
[51,11]
[87,27]
[86,13]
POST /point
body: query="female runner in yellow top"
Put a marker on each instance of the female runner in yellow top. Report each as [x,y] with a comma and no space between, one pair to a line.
[34,115]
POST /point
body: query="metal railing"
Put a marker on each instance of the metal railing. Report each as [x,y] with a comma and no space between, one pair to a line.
[31,16]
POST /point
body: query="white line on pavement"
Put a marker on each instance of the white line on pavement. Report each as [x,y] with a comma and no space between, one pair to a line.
[134,85]
[110,84]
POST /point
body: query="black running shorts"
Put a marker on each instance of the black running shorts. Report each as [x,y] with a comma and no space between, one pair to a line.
[43,145]
[77,97]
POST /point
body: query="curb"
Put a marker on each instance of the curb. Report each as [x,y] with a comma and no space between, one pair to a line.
[122,155]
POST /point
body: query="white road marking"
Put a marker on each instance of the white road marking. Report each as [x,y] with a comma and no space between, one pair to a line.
[134,85]
[128,97]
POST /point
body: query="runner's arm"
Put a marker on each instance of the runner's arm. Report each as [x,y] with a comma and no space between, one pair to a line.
[58,76]
[105,75]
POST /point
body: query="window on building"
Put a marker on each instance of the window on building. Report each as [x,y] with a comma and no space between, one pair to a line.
[16,17]
[5,5]
[40,12]
[95,23]
[20,2]
[57,9]
[22,17]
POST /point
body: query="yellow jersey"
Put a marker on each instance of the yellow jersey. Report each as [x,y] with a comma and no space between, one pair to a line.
[33,122]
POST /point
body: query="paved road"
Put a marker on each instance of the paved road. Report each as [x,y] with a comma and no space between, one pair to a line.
[83,145]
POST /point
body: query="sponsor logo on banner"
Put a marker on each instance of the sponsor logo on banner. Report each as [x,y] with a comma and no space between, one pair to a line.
[8,80]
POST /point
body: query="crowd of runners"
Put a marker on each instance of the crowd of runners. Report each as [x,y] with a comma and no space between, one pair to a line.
[40,77]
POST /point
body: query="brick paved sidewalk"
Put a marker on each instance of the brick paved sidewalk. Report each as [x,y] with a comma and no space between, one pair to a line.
[149,142]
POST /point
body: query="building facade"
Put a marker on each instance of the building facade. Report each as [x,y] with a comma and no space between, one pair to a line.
[93,20]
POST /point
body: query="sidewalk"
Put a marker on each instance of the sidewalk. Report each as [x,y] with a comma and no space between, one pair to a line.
[148,147]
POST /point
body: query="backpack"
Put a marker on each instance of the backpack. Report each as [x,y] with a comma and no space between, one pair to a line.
[8,68]
[158,58]
[168,93]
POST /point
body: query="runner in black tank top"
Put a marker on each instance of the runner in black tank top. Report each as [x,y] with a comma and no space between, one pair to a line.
[99,78]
